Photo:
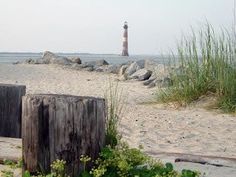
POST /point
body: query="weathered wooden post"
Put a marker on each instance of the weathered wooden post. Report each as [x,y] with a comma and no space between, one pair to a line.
[61,127]
[10,110]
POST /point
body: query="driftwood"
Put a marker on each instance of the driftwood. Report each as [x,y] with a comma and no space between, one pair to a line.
[201,159]
[10,110]
[61,127]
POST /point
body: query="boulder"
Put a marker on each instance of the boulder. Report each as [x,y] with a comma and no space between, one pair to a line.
[149,81]
[141,63]
[113,69]
[85,65]
[158,70]
[108,68]
[89,69]
[51,58]
[165,82]
[99,69]
[97,63]
[122,70]
[29,61]
[142,74]
[133,67]
[76,66]
[75,60]
[39,61]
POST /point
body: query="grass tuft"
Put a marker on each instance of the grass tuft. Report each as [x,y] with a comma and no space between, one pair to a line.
[205,63]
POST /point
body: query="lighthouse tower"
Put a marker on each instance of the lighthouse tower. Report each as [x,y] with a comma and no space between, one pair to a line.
[125,40]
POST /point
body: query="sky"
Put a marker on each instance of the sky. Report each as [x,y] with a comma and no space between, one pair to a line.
[95,26]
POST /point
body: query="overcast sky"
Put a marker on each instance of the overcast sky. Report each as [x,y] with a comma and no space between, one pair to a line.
[95,26]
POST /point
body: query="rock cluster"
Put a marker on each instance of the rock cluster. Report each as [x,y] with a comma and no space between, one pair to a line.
[149,72]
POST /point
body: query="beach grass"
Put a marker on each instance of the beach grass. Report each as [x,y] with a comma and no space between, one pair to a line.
[205,63]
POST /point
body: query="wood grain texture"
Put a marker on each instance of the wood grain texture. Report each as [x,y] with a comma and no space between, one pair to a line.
[10,110]
[61,127]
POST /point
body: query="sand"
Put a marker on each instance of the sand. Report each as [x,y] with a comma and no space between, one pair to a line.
[158,128]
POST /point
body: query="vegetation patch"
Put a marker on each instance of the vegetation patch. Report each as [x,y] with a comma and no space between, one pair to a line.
[205,63]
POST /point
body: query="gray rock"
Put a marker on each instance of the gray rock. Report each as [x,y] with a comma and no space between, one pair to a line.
[108,68]
[29,61]
[51,58]
[159,70]
[113,69]
[85,65]
[75,60]
[133,67]
[142,74]
[149,81]
[141,63]
[97,63]
[122,70]
[165,82]
[89,69]
[99,69]
[39,61]
[76,66]
[16,62]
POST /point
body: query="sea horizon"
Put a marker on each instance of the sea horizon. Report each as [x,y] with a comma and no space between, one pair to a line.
[11,57]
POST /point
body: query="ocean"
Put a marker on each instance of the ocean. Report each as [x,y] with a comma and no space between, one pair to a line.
[110,58]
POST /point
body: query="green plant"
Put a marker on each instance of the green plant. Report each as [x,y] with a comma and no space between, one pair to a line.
[58,168]
[13,164]
[123,161]
[205,63]
[115,102]
[7,173]
[84,160]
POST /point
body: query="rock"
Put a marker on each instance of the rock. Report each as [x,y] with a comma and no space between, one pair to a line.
[16,62]
[76,66]
[113,69]
[149,81]
[85,65]
[158,70]
[51,58]
[165,82]
[133,67]
[29,61]
[97,63]
[89,69]
[141,63]
[108,68]
[122,78]
[99,69]
[122,70]
[142,74]
[75,60]
[39,61]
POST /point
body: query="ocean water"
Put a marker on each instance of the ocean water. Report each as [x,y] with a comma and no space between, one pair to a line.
[110,58]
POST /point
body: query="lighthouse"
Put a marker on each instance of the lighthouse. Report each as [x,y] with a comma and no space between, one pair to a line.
[125,40]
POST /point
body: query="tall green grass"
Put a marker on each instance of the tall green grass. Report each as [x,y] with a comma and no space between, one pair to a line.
[205,63]
[115,104]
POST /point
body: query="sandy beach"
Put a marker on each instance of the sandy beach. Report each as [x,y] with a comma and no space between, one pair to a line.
[158,128]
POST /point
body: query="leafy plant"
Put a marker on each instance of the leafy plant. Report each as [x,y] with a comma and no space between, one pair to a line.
[123,161]
[58,168]
[7,173]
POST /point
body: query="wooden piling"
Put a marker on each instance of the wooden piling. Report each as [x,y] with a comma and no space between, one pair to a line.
[61,127]
[10,110]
